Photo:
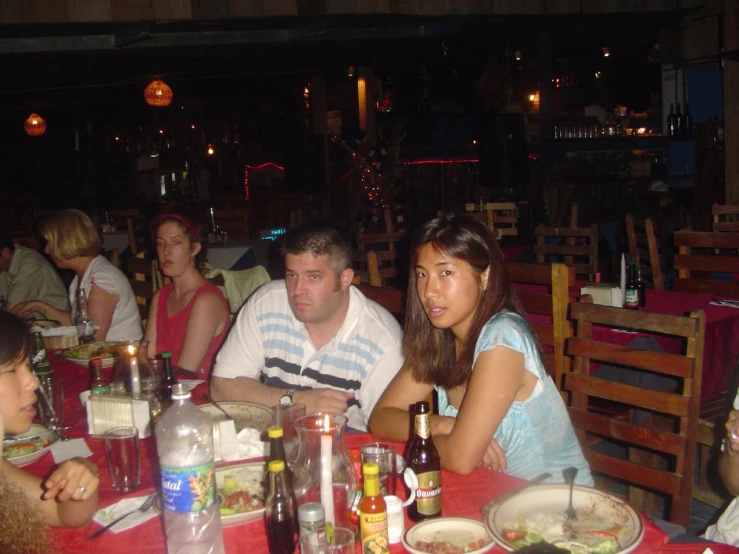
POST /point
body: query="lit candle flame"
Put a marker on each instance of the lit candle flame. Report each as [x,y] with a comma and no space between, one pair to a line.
[131,349]
[326,424]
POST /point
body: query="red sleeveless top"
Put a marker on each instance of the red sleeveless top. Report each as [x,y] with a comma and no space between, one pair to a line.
[171,329]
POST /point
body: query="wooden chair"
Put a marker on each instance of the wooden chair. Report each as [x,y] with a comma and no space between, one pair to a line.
[390,298]
[725,217]
[376,258]
[141,270]
[675,438]
[113,256]
[583,257]
[705,260]
[644,250]
[542,307]
[500,217]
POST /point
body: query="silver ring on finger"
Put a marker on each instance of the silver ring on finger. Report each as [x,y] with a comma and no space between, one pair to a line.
[83,490]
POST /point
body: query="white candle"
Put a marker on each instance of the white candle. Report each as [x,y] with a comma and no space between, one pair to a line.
[327,489]
[135,378]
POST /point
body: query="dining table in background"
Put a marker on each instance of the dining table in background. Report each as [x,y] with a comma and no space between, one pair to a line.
[463,495]
[119,240]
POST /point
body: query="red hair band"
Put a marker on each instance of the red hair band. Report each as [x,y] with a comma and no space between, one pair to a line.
[182,220]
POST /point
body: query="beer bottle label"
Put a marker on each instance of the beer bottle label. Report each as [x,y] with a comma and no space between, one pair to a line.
[373,530]
[188,489]
[428,495]
[631,298]
[423,426]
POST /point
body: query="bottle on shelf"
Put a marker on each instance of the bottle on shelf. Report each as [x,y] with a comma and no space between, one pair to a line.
[641,289]
[168,378]
[671,122]
[85,329]
[423,459]
[688,121]
[98,384]
[631,294]
[679,123]
[184,438]
[373,529]
[280,512]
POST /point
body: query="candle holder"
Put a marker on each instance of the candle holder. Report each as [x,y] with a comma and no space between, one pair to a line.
[323,455]
[133,375]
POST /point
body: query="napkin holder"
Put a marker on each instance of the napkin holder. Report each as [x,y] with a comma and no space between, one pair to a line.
[104,412]
[604,294]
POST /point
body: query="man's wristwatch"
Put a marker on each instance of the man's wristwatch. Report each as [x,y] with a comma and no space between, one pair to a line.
[287,397]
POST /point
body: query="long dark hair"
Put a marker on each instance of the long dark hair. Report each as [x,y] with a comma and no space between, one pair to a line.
[431,352]
[15,344]
[190,224]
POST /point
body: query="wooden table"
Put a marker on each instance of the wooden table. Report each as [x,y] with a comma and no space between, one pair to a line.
[462,496]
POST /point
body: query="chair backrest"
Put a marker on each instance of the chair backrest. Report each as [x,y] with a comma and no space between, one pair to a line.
[553,241]
[677,439]
[237,286]
[141,278]
[725,217]
[546,309]
[377,255]
[697,251]
[390,298]
[113,256]
[500,217]
[644,250]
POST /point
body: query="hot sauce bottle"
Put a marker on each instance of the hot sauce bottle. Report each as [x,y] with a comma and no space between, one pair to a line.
[373,513]
[423,458]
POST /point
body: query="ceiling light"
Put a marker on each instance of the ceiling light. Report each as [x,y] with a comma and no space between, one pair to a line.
[35,125]
[158,94]
[606,52]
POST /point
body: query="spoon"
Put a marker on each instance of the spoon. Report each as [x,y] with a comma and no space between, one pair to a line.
[224,412]
[569,476]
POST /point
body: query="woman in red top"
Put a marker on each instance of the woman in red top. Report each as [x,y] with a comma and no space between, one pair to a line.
[189,317]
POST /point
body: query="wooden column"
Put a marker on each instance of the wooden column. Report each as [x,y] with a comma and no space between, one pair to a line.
[731,102]
[366,100]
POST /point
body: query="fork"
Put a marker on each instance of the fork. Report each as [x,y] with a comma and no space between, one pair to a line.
[148,503]
[569,476]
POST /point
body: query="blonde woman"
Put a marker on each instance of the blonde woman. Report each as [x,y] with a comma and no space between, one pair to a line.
[74,243]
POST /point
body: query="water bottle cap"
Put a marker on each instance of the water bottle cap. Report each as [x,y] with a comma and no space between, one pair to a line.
[276,466]
[180,391]
[311,512]
[274,432]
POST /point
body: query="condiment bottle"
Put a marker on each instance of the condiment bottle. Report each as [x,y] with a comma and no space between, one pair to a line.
[281,512]
[98,383]
[373,513]
[168,378]
[423,459]
[641,289]
[312,522]
[631,294]
[277,452]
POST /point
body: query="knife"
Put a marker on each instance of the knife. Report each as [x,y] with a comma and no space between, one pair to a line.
[495,501]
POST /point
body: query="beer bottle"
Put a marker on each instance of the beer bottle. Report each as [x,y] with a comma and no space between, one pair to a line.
[168,378]
[423,459]
[98,384]
[277,452]
[631,295]
[641,289]
[373,513]
[39,361]
[85,329]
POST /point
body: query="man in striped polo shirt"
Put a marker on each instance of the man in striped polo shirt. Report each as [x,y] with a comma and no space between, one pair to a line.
[311,338]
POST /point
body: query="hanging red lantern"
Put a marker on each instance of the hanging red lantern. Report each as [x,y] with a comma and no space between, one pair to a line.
[35,125]
[158,94]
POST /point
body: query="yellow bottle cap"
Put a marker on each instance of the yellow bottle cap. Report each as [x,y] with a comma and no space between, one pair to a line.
[274,432]
[370,468]
[275,466]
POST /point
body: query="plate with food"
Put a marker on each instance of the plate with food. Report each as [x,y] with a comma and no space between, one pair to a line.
[447,535]
[82,354]
[605,524]
[22,449]
[245,414]
[241,492]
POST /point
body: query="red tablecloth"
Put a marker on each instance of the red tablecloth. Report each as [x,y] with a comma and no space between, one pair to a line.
[462,496]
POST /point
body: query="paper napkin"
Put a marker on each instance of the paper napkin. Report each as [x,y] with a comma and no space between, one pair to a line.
[65,450]
[105,515]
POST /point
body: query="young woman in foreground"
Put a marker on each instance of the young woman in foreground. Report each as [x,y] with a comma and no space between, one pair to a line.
[66,498]
[466,337]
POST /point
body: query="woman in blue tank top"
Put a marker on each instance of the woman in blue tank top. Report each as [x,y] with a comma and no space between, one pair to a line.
[466,337]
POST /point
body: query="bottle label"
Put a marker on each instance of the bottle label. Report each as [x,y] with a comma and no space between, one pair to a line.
[423,426]
[373,530]
[97,390]
[40,364]
[428,495]
[631,298]
[188,489]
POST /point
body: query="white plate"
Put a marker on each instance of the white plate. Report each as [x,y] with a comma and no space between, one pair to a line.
[43,436]
[245,415]
[458,531]
[83,360]
[251,477]
[597,511]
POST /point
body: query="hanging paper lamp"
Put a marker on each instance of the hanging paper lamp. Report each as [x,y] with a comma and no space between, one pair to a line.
[35,125]
[158,93]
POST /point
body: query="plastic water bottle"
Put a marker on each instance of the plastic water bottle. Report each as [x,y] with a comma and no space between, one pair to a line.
[184,437]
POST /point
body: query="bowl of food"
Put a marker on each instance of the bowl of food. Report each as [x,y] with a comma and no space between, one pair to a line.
[241,492]
[82,354]
[25,448]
